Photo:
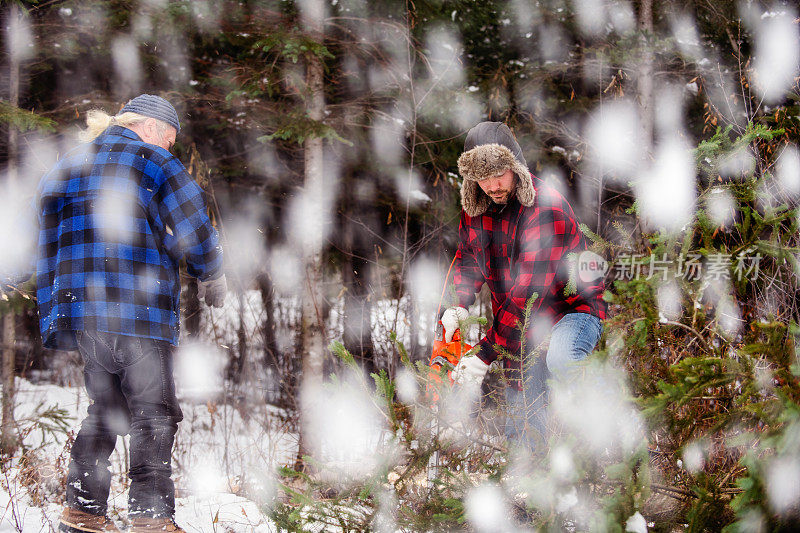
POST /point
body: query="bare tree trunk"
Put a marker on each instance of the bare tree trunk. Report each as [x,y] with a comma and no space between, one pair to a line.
[241,341]
[413,319]
[8,438]
[270,343]
[268,328]
[312,329]
[413,135]
[13,141]
[645,79]
[357,331]
[357,335]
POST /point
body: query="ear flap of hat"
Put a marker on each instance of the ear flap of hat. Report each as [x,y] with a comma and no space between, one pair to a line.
[526,194]
[473,200]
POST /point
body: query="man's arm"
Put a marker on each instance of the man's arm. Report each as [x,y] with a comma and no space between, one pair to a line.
[545,240]
[467,278]
[180,205]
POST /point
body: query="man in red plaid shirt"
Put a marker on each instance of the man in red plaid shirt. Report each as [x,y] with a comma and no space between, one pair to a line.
[520,237]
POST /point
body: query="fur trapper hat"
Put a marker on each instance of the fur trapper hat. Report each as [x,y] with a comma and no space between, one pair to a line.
[489,150]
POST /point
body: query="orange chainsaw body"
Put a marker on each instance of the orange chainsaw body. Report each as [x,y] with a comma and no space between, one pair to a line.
[445,355]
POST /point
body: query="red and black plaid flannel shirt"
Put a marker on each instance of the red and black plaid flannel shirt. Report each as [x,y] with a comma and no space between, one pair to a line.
[518,251]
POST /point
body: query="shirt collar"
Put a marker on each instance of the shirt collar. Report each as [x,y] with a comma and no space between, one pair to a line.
[122,132]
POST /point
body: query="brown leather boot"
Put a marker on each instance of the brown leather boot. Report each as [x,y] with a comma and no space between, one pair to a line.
[146,524]
[75,521]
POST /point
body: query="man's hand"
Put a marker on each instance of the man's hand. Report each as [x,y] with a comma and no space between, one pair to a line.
[213,291]
[451,321]
[469,371]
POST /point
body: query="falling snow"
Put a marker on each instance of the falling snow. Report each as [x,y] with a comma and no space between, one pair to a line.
[427,84]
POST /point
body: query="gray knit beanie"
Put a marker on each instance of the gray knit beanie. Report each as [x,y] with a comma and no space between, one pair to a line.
[150,105]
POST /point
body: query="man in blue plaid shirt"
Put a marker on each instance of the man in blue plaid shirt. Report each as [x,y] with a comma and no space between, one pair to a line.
[116,216]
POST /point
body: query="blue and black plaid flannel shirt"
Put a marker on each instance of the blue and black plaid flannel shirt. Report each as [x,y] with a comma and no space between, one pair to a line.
[116,216]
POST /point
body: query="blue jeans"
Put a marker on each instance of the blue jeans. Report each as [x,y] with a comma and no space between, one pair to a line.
[572,339]
[129,380]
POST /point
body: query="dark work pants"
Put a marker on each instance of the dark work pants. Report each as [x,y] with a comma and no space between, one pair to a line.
[129,380]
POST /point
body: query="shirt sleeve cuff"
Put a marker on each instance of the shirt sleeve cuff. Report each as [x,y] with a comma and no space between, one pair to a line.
[465,299]
[215,274]
[486,352]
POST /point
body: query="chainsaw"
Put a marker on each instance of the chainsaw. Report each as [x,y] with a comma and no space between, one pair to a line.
[445,355]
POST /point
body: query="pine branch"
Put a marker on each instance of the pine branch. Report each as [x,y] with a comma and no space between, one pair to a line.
[24,120]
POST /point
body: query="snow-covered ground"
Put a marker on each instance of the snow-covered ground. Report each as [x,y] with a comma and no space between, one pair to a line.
[224,462]
[231,441]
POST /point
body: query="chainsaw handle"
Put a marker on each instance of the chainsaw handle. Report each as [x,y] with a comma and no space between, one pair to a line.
[439,333]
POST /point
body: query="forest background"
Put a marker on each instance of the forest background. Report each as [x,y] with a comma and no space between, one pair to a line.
[326,133]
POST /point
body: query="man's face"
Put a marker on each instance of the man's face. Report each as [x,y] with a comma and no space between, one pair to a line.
[500,187]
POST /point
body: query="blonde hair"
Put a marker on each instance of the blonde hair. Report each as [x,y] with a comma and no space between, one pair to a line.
[98,121]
